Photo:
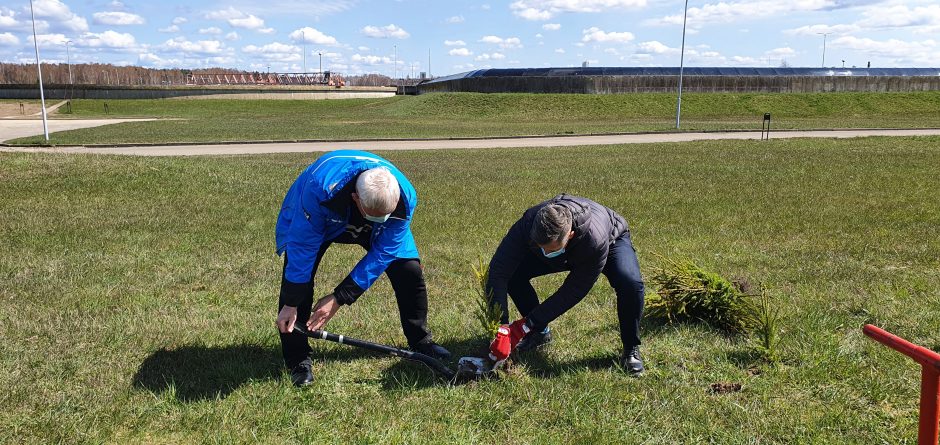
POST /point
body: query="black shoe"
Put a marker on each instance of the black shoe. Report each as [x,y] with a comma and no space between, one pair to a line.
[301,375]
[631,360]
[433,350]
[534,340]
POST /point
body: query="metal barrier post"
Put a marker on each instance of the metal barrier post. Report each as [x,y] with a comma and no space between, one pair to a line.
[930,380]
[765,127]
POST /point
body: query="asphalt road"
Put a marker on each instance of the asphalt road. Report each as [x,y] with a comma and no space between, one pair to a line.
[303,147]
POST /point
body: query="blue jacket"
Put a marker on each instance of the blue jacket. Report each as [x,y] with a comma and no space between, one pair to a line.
[316,211]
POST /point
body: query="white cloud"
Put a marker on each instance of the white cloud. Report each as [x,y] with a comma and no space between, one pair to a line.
[155,61]
[493,56]
[225,14]
[385,32]
[232,36]
[59,15]
[460,52]
[507,43]
[363,48]
[925,52]
[597,35]
[655,47]
[881,17]
[275,51]
[901,16]
[551,26]
[559,50]
[312,35]
[371,60]
[455,19]
[117,18]
[727,12]
[48,39]
[781,52]
[210,30]
[546,9]
[171,28]
[539,36]
[239,19]
[7,39]
[107,39]
[179,20]
[455,43]
[813,30]
[202,47]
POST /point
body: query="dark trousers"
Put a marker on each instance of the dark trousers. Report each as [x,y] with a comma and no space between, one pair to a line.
[407,280]
[622,271]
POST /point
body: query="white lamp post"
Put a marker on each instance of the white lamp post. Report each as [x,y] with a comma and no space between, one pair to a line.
[681,64]
[824,34]
[42,95]
[68,59]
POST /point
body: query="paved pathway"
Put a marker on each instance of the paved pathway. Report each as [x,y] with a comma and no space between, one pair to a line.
[303,147]
[21,128]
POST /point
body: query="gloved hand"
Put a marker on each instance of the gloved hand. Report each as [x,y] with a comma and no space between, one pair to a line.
[507,337]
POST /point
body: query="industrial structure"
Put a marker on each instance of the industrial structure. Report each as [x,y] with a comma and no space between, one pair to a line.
[613,80]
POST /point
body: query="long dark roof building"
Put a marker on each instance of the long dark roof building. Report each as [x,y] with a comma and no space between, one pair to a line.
[603,80]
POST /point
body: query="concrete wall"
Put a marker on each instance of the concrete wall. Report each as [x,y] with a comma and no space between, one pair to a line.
[101,92]
[644,84]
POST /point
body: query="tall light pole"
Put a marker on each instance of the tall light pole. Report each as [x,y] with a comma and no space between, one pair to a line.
[68,59]
[824,34]
[685,15]
[396,61]
[42,95]
[304,33]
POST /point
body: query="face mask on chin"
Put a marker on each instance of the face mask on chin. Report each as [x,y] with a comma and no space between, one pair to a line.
[553,254]
[377,219]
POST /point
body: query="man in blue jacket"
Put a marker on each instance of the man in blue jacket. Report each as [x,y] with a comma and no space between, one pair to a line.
[348,197]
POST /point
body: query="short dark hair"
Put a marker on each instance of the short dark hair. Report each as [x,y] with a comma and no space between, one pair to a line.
[552,223]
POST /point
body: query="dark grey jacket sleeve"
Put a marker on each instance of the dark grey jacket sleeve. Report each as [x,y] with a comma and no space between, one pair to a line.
[505,261]
[576,286]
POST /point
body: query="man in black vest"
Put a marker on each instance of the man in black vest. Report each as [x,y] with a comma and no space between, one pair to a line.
[565,233]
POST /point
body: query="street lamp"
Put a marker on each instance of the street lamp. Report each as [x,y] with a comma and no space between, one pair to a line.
[68,59]
[396,61]
[824,34]
[42,95]
[681,64]
[304,32]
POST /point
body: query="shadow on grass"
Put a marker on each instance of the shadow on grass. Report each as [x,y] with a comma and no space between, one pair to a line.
[197,373]
[540,366]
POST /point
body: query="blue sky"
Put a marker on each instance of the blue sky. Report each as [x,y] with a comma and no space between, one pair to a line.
[364,36]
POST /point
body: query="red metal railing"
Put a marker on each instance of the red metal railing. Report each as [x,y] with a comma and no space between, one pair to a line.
[929,383]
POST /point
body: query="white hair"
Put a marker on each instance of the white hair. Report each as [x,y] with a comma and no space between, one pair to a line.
[378,189]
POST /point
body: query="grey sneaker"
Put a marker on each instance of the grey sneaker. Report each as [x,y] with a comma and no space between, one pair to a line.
[534,340]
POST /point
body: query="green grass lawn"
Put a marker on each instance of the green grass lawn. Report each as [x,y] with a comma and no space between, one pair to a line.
[138,299]
[474,115]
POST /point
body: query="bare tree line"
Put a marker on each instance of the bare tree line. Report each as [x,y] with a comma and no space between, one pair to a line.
[107,74]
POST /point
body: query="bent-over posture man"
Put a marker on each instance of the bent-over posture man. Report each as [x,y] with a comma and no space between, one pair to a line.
[348,197]
[565,233]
